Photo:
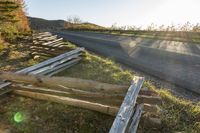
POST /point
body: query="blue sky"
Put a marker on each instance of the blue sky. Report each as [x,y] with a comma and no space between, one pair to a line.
[122,12]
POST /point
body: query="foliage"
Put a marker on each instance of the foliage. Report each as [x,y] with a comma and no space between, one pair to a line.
[153,27]
[22,24]
[7,10]
[12,18]
[8,31]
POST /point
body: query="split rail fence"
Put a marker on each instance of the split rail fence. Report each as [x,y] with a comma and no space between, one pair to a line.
[126,103]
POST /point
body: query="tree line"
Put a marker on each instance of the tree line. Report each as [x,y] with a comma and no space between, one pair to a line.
[153,27]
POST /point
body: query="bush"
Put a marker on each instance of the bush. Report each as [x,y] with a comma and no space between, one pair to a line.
[1,43]
[8,31]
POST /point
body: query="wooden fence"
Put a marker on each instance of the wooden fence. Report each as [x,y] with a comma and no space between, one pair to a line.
[93,95]
[47,45]
[50,66]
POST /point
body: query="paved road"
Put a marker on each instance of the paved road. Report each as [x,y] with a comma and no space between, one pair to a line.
[176,62]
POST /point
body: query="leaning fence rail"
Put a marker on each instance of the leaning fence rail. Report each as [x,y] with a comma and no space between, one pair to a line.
[128,109]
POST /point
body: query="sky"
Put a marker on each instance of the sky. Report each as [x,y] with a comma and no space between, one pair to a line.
[121,12]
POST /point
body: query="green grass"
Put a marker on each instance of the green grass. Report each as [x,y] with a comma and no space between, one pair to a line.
[99,69]
[177,115]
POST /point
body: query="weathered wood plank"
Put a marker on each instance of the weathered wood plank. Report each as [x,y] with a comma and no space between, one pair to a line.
[4,91]
[64,65]
[51,42]
[110,110]
[47,54]
[57,82]
[49,47]
[42,33]
[49,61]
[45,63]
[66,92]
[61,69]
[49,67]
[48,38]
[2,85]
[127,108]
[135,119]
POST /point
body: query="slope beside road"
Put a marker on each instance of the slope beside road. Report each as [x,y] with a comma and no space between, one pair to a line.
[176,62]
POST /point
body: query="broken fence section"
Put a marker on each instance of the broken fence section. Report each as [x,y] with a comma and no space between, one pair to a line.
[49,67]
[47,45]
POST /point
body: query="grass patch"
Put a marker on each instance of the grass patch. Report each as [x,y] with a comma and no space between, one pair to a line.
[178,114]
[99,69]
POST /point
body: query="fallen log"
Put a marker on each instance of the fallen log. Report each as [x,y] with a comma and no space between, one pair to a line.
[63,82]
[50,97]
[68,92]
[59,82]
[110,110]
[111,99]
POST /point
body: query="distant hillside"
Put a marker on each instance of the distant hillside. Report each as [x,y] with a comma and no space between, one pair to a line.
[40,24]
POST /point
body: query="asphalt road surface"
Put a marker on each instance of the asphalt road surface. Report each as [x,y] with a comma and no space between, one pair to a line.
[176,62]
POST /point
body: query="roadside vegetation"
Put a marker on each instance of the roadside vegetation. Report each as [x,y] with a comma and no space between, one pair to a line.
[13,20]
[182,36]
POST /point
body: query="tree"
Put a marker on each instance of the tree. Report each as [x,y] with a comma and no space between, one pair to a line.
[69,19]
[22,24]
[196,28]
[77,20]
[114,26]
[7,10]
[13,11]
[151,27]
[74,19]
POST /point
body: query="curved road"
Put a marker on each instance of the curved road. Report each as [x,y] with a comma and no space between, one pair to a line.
[176,62]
